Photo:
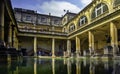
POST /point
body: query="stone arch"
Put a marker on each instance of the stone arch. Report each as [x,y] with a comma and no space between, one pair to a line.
[96,12]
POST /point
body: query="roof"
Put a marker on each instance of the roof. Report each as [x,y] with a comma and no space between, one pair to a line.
[33,12]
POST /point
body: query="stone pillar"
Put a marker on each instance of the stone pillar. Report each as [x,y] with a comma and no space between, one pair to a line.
[35,46]
[77,46]
[91,42]
[14,39]
[10,35]
[13,35]
[53,47]
[114,37]
[2,11]
[68,47]
[16,42]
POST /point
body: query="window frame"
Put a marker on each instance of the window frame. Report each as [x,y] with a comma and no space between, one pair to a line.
[99,9]
[28,18]
[43,20]
[83,20]
[56,22]
[71,28]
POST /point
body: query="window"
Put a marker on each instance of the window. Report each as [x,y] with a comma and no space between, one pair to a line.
[72,27]
[43,20]
[28,18]
[99,9]
[117,2]
[83,20]
[56,21]
[64,29]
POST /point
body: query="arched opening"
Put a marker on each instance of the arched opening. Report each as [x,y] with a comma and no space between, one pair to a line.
[99,10]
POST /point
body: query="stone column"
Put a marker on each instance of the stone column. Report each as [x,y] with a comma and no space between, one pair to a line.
[53,47]
[114,37]
[77,46]
[2,11]
[13,35]
[14,39]
[35,46]
[10,35]
[16,42]
[91,42]
[68,47]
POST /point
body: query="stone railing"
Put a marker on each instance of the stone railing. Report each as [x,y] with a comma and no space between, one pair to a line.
[100,16]
[42,31]
[116,7]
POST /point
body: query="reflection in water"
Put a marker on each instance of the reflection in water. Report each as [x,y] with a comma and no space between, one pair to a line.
[61,66]
[69,66]
[53,66]
[35,65]
[117,67]
[78,68]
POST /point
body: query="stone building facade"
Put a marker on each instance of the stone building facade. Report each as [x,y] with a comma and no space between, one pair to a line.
[94,29]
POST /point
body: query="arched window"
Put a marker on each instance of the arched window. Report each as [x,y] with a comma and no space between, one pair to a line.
[99,9]
[117,2]
[71,27]
[82,21]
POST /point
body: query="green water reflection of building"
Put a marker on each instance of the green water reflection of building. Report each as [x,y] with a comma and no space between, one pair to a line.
[62,66]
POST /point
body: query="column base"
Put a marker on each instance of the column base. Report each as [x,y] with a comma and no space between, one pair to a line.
[35,55]
[53,56]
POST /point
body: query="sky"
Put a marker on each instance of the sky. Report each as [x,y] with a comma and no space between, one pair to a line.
[55,7]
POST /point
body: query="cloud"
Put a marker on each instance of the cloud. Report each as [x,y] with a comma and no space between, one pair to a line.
[57,7]
[85,2]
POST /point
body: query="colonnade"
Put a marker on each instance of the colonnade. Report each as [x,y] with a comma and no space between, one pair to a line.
[53,46]
[91,41]
[7,27]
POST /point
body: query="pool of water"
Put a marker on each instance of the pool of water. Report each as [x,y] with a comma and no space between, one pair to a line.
[60,66]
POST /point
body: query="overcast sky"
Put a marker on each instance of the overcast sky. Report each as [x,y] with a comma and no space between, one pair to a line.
[55,7]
